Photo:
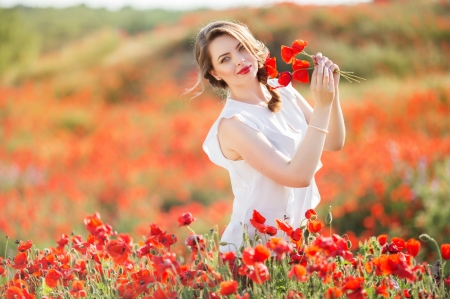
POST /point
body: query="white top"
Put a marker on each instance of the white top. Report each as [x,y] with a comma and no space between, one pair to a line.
[252,190]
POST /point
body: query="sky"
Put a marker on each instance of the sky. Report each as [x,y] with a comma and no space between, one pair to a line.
[168,4]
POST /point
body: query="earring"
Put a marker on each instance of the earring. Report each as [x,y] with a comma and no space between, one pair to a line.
[218,79]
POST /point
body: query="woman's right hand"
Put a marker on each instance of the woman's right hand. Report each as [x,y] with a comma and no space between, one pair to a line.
[322,85]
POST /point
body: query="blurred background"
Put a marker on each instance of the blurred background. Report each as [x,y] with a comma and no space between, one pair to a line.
[92,117]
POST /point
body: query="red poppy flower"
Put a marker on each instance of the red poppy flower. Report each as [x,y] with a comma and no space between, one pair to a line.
[333,293]
[406,293]
[154,230]
[228,287]
[244,296]
[118,250]
[261,253]
[298,272]
[399,242]
[382,290]
[20,261]
[353,283]
[299,45]
[314,226]
[78,289]
[301,76]
[382,239]
[186,219]
[445,251]
[284,79]
[229,256]
[279,246]
[413,247]
[288,53]
[284,226]
[271,66]
[260,273]
[52,278]
[271,230]
[447,281]
[212,295]
[311,214]
[257,221]
[25,246]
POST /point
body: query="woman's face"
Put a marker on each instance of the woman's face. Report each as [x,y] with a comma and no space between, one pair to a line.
[231,61]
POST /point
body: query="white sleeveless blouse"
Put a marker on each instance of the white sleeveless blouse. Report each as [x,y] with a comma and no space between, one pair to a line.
[252,190]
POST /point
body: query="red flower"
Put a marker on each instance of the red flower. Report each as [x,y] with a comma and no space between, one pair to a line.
[77,289]
[382,239]
[288,54]
[382,290]
[52,278]
[20,261]
[413,247]
[447,281]
[445,251]
[314,226]
[300,68]
[25,246]
[260,273]
[311,214]
[271,66]
[229,256]
[399,242]
[118,250]
[212,296]
[279,246]
[244,296]
[298,272]
[284,226]
[228,287]
[284,79]
[259,254]
[258,221]
[333,293]
[186,219]
[353,283]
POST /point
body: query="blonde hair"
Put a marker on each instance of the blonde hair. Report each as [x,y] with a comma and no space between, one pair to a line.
[240,32]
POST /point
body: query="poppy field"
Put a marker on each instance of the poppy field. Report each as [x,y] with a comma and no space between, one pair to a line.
[100,127]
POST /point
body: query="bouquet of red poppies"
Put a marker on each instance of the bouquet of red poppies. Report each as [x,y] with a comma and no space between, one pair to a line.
[299,67]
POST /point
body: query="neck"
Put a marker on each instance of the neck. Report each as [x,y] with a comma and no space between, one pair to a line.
[250,93]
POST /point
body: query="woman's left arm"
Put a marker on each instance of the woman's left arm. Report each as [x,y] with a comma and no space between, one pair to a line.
[336,128]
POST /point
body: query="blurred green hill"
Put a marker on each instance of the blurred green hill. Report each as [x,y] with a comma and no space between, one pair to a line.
[395,39]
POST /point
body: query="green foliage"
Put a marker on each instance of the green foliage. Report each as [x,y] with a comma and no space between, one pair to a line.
[56,27]
[17,44]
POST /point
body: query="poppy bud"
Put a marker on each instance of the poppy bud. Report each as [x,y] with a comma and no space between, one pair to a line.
[329,218]
[349,244]
[223,243]
[425,238]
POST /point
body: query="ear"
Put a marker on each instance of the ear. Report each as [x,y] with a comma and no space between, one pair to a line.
[214,74]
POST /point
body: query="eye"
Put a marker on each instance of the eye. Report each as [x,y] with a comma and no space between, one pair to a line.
[241,48]
[224,59]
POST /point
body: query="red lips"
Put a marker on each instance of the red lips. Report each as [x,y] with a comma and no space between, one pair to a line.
[244,70]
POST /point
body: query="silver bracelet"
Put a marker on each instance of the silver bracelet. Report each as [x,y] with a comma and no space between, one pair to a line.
[321,130]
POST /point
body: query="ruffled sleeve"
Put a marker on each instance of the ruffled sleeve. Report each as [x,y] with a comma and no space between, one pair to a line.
[211,145]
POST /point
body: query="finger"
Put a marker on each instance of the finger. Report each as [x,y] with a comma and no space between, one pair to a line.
[326,76]
[331,82]
[314,77]
[313,57]
[318,57]
[325,59]
[334,67]
[320,73]
[328,63]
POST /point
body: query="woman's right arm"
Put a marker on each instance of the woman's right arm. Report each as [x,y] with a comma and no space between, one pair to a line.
[259,153]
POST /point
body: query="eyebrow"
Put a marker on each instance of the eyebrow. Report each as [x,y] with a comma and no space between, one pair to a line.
[229,53]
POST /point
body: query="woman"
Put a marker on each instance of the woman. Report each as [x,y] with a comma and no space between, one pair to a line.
[269,140]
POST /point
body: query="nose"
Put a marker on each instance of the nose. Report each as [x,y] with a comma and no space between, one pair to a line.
[240,61]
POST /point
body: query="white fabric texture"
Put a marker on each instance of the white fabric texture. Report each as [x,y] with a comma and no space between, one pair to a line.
[252,190]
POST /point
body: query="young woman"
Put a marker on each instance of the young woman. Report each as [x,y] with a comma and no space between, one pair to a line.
[269,140]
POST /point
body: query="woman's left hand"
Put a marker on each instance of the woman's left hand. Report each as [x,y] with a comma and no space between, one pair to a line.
[329,64]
